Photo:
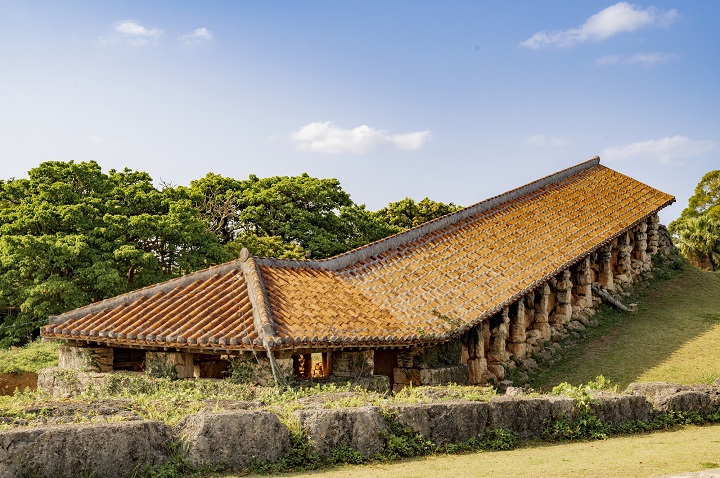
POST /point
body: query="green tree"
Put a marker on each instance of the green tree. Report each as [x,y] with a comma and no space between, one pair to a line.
[268,246]
[217,198]
[706,199]
[697,231]
[71,235]
[284,216]
[299,209]
[698,239]
[407,213]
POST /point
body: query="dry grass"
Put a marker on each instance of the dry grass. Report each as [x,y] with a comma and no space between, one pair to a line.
[656,454]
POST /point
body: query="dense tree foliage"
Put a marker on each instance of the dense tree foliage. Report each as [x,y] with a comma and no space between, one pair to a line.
[408,213]
[310,217]
[71,234]
[697,230]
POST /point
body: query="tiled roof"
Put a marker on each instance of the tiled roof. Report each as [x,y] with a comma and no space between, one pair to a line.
[423,285]
[207,309]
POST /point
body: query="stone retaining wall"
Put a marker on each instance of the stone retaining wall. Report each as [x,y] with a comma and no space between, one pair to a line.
[241,437]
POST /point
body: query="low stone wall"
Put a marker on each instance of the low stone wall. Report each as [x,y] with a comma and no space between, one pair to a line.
[241,437]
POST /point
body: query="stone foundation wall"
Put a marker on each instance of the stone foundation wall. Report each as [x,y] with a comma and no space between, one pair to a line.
[437,365]
[87,359]
[255,369]
[353,364]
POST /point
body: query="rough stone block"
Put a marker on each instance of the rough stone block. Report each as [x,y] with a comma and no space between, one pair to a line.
[527,416]
[358,428]
[498,357]
[403,377]
[498,371]
[618,409]
[108,449]
[182,362]
[236,438]
[66,383]
[444,422]
[444,375]
[518,350]
[517,333]
[406,358]
[86,359]
[353,364]
[669,396]
[477,371]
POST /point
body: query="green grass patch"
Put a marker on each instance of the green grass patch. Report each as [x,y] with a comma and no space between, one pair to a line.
[30,358]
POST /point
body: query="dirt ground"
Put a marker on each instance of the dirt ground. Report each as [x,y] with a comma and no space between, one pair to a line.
[11,381]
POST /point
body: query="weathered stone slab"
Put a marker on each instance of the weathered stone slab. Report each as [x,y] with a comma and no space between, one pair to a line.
[404,377]
[87,359]
[444,375]
[527,416]
[107,450]
[358,428]
[66,383]
[352,364]
[236,438]
[616,409]
[181,362]
[669,396]
[444,422]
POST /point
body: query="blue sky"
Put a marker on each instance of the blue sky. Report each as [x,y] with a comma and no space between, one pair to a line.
[456,101]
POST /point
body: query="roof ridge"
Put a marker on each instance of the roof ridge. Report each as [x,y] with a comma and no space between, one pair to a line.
[262,314]
[147,291]
[346,259]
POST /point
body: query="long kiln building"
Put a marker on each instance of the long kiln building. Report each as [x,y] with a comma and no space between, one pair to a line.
[462,298]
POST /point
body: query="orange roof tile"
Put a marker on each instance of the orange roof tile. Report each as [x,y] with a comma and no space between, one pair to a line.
[423,285]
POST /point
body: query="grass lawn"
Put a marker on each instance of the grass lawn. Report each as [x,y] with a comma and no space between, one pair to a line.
[30,358]
[655,454]
[672,338]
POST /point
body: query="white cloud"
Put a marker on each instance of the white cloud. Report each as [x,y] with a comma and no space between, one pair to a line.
[609,60]
[135,33]
[552,141]
[94,139]
[667,150]
[644,59]
[198,35]
[650,59]
[325,137]
[619,18]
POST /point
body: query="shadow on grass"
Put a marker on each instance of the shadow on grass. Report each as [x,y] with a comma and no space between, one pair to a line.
[672,313]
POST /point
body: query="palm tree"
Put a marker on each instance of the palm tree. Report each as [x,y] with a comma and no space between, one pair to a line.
[698,239]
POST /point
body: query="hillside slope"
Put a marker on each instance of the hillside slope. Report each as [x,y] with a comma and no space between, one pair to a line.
[673,337]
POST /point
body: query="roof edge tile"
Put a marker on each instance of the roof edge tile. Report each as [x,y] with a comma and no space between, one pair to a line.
[148,291]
